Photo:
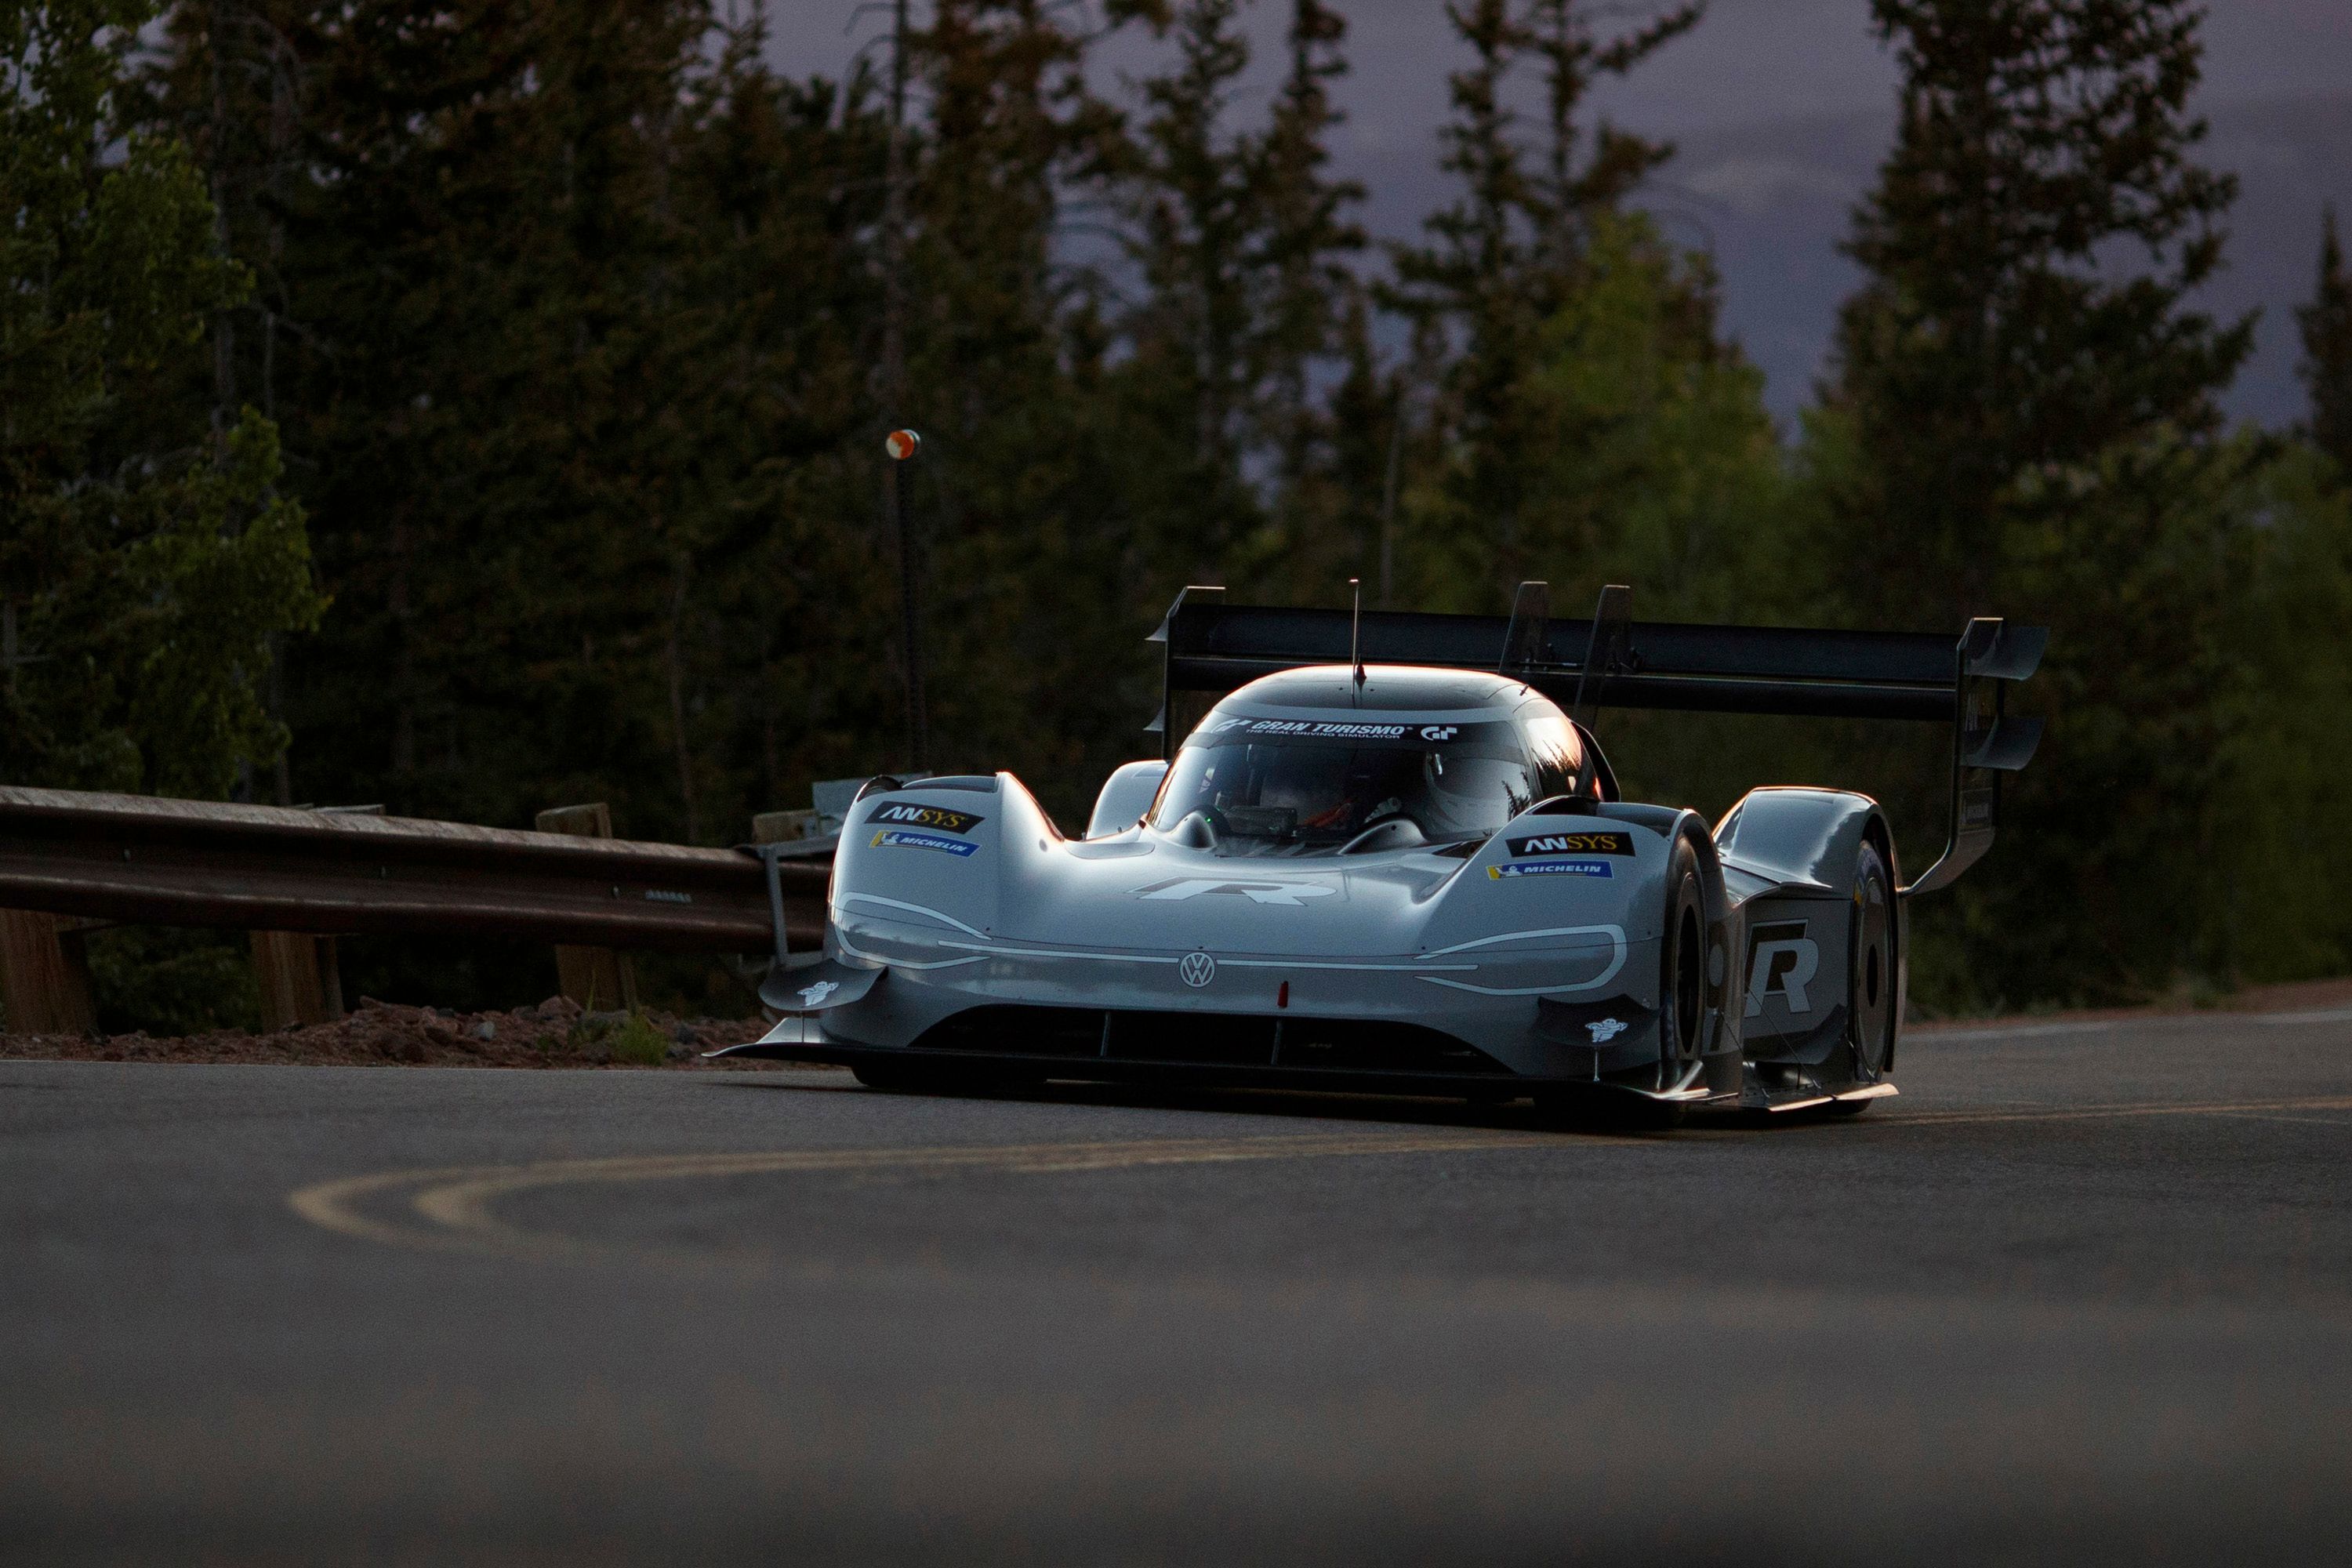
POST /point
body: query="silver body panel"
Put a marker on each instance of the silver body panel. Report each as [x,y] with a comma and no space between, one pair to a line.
[956,900]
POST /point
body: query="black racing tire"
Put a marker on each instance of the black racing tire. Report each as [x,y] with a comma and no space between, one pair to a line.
[1682,1019]
[1682,968]
[1872,995]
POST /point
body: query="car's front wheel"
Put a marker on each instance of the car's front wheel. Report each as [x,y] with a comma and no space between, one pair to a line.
[1682,969]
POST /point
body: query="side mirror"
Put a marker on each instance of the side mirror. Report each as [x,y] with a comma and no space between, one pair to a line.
[1125,795]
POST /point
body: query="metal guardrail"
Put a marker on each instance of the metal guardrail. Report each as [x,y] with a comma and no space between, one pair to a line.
[137,860]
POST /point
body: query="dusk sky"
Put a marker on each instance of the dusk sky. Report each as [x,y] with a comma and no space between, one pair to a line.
[1783,108]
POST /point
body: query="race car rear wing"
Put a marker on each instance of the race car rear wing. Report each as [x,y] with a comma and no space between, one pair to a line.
[1611,660]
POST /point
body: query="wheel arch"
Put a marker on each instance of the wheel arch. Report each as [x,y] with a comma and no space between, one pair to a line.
[1720,1042]
[1792,853]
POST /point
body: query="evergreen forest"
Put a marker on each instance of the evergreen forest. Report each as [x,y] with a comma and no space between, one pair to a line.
[478,407]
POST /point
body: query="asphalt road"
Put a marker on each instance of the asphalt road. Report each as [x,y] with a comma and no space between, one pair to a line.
[2080,1295]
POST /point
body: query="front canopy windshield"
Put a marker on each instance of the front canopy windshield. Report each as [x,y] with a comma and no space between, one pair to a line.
[1307,790]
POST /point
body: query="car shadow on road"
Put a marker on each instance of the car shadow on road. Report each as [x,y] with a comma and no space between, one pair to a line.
[1600,1118]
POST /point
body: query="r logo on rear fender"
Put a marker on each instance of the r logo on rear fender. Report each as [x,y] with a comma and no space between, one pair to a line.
[1782,958]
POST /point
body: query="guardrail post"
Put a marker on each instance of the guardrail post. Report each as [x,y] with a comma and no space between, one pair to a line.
[592,976]
[298,978]
[44,974]
[783,827]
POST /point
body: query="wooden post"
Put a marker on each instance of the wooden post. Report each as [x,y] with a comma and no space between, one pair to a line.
[298,978]
[45,973]
[783,827]
[595,977]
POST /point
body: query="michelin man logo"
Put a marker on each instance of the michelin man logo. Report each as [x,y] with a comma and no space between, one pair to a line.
[1782,958]
[814,995]
[1605,1030]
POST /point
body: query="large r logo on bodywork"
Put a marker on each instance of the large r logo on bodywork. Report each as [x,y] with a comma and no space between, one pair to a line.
[1782,958]
[1290,894]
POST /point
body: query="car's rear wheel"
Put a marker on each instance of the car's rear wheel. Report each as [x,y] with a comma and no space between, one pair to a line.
[1872,994]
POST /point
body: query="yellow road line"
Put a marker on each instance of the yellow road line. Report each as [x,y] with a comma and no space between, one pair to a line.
[2110,1112]
[455,1202]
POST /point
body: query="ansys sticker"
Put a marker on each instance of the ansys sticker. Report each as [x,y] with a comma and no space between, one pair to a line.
[904,814]
[1602,842]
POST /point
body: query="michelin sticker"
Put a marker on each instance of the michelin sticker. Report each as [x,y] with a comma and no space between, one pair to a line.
[1549,869]
[904,814]
[1781,961]
[899,839]
[814,995]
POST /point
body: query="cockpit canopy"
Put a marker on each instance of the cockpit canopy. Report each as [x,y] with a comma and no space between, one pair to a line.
[1270,774]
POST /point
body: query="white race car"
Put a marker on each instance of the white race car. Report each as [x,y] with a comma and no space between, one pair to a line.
[1411,871]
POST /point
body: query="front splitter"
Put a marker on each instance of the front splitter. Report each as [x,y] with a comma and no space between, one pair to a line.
[1139,1070]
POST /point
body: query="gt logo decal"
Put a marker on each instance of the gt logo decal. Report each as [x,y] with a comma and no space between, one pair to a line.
[1289,894]
[1439,732]
[908,815]
[1782,958]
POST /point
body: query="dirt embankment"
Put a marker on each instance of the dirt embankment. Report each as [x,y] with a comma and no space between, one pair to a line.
[554,1034]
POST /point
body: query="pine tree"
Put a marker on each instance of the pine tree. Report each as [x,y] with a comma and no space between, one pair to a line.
[1473,278]
[2327,325]
[1037,552]
[476,263]
[1661,464]
[145,566]
[1305,239]
[1505,257]
[2017,428]
[1192,191]
[1569,192]
[1366,427]
[2035,137]
[777,185]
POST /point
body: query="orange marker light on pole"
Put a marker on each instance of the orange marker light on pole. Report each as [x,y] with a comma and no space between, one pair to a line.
[903,444]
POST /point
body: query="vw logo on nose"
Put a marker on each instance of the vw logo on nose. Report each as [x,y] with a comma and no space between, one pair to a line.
[1197,968]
